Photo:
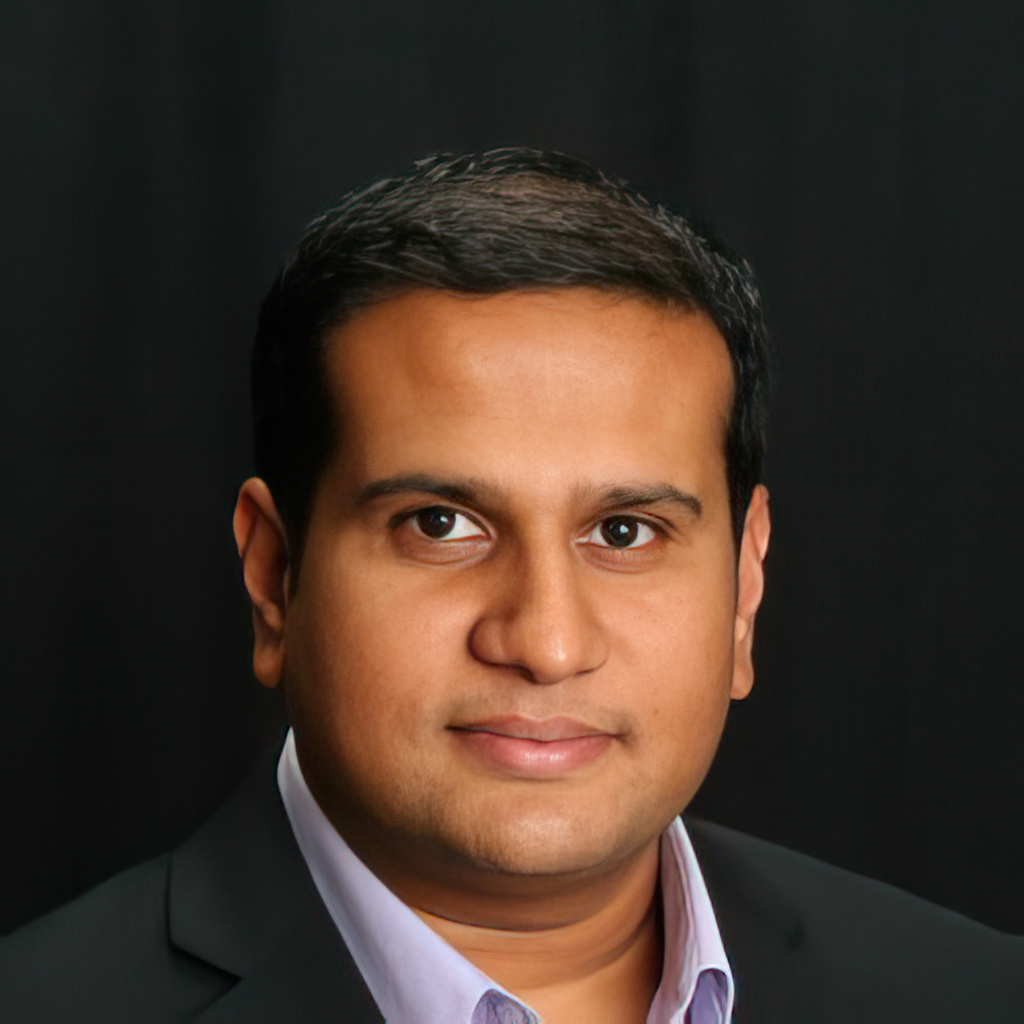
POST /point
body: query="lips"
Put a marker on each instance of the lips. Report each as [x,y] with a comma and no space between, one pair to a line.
[533,747]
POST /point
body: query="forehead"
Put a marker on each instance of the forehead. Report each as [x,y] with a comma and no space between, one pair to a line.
[433,375]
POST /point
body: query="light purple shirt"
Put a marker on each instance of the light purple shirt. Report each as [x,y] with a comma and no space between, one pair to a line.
[415,977]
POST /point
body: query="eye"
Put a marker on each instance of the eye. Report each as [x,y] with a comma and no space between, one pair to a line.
[437,523]
[621,532]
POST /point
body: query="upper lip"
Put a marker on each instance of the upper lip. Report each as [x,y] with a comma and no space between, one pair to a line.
[544,730]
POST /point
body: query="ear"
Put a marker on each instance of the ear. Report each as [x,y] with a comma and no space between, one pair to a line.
[263,548]
[757,528]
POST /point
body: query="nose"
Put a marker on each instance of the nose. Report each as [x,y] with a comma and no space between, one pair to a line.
[539,621]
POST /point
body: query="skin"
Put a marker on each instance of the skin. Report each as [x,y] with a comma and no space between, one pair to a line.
[528,421]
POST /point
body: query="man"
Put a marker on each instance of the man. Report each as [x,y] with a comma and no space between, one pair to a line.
[505,555]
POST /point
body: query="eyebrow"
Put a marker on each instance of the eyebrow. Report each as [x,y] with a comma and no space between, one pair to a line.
[656,494]
[472,492]
[465,492]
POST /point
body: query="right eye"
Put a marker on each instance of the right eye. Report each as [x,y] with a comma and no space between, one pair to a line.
[445,524]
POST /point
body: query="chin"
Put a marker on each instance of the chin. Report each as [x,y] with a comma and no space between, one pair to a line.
[538,844]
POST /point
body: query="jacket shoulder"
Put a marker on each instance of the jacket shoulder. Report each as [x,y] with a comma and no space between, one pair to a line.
[871,945]
[105,956]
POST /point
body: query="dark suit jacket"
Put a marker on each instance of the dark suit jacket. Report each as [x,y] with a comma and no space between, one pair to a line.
[229,929]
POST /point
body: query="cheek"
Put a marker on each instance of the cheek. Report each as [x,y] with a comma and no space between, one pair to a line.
[368,657]
[676,650]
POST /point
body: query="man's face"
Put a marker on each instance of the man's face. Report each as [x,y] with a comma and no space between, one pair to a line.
[515,632]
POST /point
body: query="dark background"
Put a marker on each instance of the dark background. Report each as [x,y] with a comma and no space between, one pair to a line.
[158,158]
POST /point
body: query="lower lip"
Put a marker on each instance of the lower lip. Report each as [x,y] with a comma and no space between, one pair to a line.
[533,758]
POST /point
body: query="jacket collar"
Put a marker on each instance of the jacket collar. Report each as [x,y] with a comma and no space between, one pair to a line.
[241,899]
[763,930]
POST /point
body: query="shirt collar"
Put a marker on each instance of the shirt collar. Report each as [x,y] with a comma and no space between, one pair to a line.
[401,958]
[696,975]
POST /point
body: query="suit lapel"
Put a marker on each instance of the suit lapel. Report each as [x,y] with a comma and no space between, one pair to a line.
[762,930]
[308,979]
[241,899]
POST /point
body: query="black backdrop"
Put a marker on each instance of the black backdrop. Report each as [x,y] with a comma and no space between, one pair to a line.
[158,157]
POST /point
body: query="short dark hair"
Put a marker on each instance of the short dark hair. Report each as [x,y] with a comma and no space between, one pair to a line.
[481,224]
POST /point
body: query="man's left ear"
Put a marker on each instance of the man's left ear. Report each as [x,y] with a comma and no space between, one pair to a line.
[757,528]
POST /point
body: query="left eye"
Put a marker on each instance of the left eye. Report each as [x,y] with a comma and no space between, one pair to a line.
[438,523]
[620,532]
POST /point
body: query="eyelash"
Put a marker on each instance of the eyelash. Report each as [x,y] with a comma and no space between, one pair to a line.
[656,529]
[444,509]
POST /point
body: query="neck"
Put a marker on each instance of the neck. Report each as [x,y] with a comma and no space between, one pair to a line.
[598,960]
